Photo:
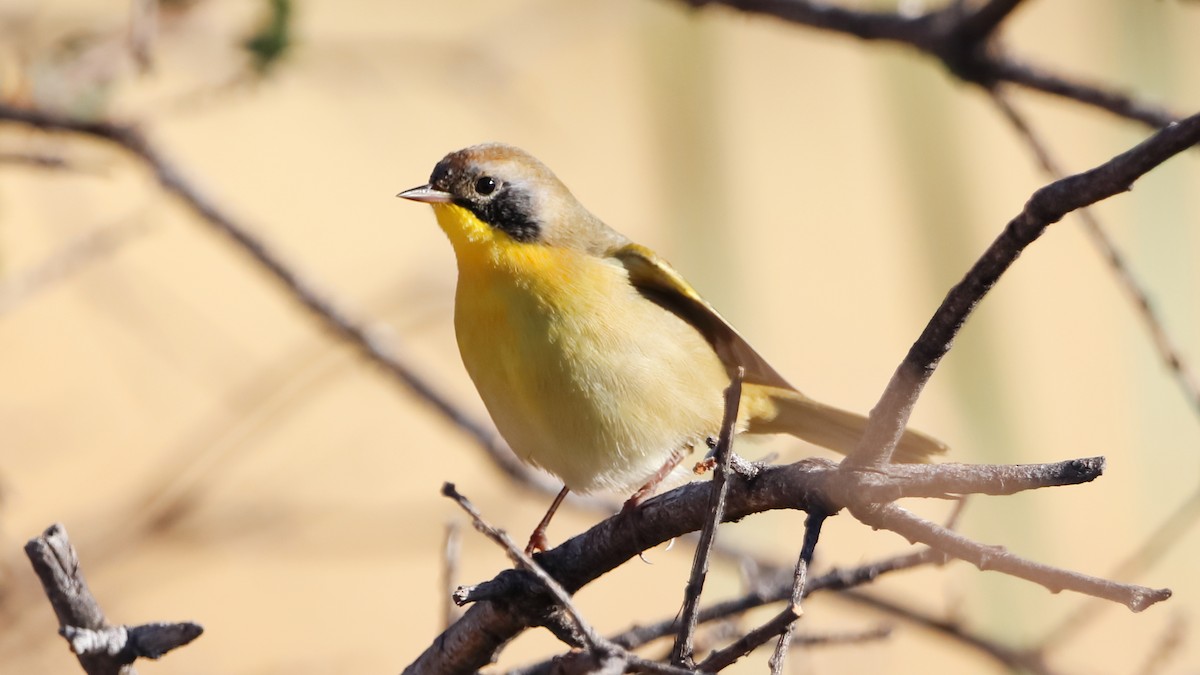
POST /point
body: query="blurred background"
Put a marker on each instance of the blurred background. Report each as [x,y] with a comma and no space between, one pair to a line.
[219,456]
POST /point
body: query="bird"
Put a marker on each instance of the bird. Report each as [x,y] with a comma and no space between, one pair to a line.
[596,360]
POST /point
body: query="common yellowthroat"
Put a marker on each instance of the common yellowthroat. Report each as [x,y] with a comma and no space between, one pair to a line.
[595,359]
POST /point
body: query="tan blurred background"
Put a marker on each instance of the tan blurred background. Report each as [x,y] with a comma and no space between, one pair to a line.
[217,456]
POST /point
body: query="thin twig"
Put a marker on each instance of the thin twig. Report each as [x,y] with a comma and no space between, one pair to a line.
[682,653]
[949,481]
[812,532]
[602,649]
[915,529]
[589,636]
[1008,69]
[834,580]
[777,626]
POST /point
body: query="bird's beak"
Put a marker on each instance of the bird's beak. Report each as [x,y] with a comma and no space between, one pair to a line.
[427,194]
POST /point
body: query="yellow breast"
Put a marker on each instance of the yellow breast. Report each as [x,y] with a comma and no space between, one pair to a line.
[582,375]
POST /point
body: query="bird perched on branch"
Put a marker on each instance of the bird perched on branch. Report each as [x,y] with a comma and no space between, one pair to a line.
[597,361]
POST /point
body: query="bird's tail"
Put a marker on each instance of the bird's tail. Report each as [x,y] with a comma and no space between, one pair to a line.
[790,412]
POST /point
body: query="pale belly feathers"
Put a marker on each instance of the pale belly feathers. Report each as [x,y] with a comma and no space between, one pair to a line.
[599,388]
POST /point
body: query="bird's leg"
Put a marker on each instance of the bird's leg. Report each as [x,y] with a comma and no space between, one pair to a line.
[537,540]
[651,485]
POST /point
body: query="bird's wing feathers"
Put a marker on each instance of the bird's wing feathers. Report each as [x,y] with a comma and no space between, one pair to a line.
[660,283]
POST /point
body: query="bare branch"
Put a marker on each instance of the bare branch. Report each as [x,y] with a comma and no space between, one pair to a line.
[603,651]
[1118,103]
[1047,205]
[778,625]
[786,619]
[589,636]
[102,649]
[963,41]
[682,652]
[781,589]
[951,480]
[514,604]
[124,644]
[57,566]
[985,557]
[721,659]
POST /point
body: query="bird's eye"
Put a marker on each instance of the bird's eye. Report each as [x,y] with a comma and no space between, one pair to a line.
[485,185]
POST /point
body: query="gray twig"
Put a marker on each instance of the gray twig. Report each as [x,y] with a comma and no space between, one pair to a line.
[812,532]
[682,653]
[915,529]
[781,589]
[723,658]
[603,651]
[590,637]
[149,640]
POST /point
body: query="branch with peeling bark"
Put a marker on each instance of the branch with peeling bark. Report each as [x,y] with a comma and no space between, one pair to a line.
[512,601]
[102,648]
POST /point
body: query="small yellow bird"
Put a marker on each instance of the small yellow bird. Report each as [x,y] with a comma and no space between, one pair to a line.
[596,360]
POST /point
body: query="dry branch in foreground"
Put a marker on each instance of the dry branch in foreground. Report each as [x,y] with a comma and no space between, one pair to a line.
[102,649]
